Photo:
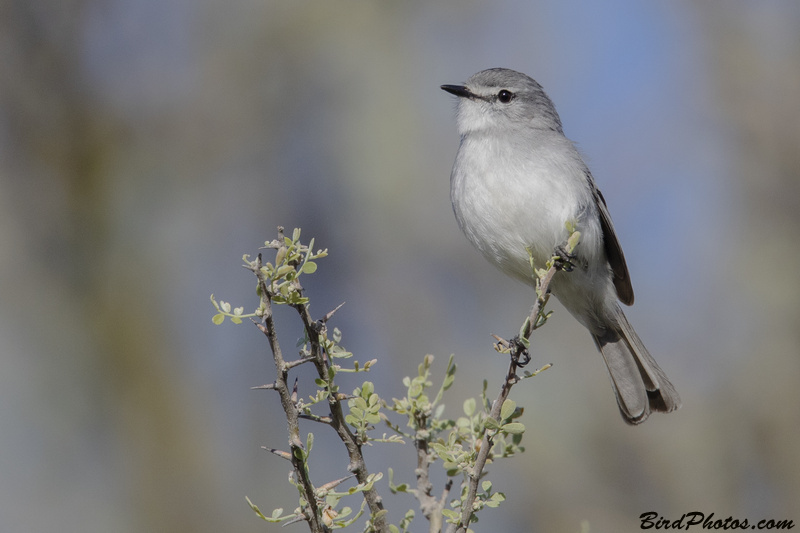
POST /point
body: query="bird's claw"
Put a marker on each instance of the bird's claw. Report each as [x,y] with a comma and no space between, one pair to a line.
[564,259]
[519,353]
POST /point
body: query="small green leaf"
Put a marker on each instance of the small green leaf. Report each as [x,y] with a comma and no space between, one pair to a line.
[524,329]
[255,508]
[280,255]
[448,381]
[439,449]
[450,514]
[486,486]
[309,267]
[509,406]
[573,241]
[451,471]
[218,319]
[300,453]
[496,499]
[283,271]
[236,320]
[491,423]
[469,406]
[513,428]
[367,389]
[523,339]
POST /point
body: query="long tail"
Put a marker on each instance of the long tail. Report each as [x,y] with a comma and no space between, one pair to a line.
[639,383]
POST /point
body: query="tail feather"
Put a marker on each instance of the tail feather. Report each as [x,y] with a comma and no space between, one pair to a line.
[638,382]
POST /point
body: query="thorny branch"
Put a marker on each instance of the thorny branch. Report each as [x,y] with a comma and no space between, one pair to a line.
[519,357]
[291,411]
[357,465]
[314,330]
[430,506]
[279,285]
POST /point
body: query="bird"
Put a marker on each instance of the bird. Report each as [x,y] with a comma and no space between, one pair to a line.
[516,182]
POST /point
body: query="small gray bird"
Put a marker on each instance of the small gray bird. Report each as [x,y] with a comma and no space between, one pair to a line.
[515,183]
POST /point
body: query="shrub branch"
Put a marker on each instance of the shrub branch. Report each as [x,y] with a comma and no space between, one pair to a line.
[464,445]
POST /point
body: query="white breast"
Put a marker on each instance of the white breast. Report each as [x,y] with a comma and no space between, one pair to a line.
[505,203]
[508,197]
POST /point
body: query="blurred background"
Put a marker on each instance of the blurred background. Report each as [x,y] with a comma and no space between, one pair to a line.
[146,145]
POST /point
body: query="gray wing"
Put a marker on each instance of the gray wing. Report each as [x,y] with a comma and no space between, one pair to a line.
[622,280]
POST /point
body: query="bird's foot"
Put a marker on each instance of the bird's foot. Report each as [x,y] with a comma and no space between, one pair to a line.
[519,352]
[563,259]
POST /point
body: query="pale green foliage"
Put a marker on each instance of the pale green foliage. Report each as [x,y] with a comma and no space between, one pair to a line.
[291,261]
[224,309]
[404,523]
[365,408]
[453,442]
[456,442]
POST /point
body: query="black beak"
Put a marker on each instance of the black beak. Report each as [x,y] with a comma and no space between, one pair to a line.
[458,90]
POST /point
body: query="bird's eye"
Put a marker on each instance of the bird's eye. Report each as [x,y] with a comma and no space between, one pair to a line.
[505,96]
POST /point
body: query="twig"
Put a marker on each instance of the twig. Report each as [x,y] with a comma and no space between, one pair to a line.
[289,407]
[268,386]
[517,350]
[289,398]
[315,418]
[357,464]
[431,508]
[445,492]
